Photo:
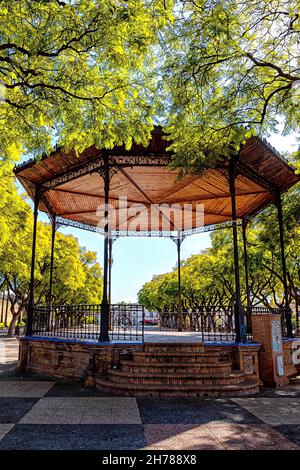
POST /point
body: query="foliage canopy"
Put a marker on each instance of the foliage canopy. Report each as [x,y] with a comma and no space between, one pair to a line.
[231,69]
[83,72]
[77,72]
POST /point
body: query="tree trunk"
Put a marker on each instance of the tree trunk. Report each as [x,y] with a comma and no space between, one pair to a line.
[14,319]
[12,324]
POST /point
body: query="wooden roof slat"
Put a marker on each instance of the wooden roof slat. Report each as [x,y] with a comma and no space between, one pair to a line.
[74,187]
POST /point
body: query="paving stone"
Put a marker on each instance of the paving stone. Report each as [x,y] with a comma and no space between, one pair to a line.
[65,418]
[78,437]
[7,368]
[12,409]
[24,389]
[51,403]
[232,412]
[83,410]
[113,402]
[16,376]
[273,411]
[62,389]
[180,437]
[291,390]
[280,393]
[5,428]
[290,431]
[250,437]
[9,352]
[100,417]
[192,411]
[67,403]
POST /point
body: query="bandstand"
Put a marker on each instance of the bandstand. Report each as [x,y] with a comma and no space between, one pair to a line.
[121,193]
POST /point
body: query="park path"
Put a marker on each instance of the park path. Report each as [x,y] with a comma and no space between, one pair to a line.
[9,351]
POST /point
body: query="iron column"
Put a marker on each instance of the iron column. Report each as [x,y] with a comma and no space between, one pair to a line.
[238,308]
[178,240]
[110,261]
[244,232]
[283,265]
[180,319]
[31,286]
[104,320]
[52,259]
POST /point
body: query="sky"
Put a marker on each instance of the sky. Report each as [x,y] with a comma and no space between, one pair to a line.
[137,259]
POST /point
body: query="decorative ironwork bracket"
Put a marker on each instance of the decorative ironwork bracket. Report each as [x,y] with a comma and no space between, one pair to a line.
[178,239]
[49,207]
[113,169]
[98,165]
[69,175]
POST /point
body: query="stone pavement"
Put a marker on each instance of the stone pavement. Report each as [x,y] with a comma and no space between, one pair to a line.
[9,350]
[45,414]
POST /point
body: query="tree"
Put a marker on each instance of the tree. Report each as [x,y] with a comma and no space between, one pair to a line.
[76,72]
[10,206]
[230,69]
[268,247]
[160,294]
[77,276]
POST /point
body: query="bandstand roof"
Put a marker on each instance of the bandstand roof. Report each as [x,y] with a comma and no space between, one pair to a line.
[74,187]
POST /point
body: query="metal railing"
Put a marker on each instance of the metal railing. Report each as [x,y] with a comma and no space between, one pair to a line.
[213,322]
[126,322]
[216,323]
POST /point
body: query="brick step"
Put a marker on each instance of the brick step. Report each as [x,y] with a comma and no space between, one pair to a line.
[236,377]
[175,357]
[169,368]
[174,347]
[243,389]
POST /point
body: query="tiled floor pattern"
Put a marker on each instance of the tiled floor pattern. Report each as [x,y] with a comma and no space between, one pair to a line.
[38,414]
